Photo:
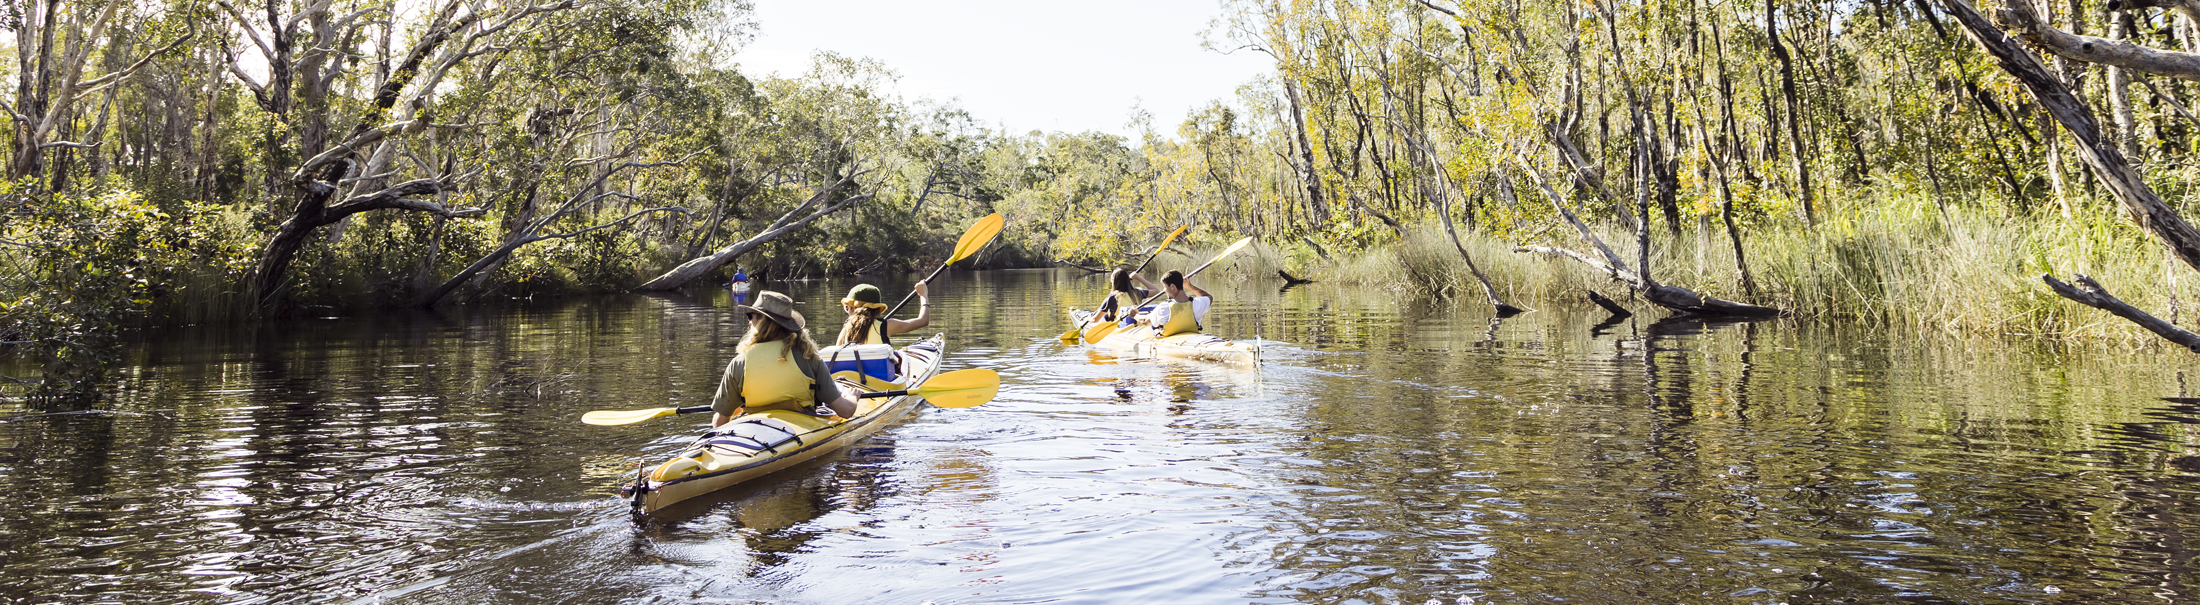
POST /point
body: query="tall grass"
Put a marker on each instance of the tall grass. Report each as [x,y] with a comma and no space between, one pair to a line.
[1900,262]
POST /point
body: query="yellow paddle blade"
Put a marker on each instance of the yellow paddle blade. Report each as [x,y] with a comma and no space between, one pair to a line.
[960,388]
[1172,237]
[978,235]
[1100,330]
[1232,249]
[615,418]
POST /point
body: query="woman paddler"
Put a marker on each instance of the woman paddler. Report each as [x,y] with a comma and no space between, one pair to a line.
[1124,301]
[866,324]
[1186,312]
[777,368]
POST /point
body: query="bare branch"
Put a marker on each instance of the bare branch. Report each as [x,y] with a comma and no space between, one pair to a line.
[615,223]
[258,90]
[696,268]
[2091,294]
[250,32]
[347,148]
[102,82]
[397,197]
[2018,17]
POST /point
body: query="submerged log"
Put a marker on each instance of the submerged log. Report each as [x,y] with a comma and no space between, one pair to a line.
[1676,299]
[1617,311]
[1288,279]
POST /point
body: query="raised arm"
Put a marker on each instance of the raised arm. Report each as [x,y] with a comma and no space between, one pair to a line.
[1142,283]
[923,318]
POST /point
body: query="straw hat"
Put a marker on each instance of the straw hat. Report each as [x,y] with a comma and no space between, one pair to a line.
[777,307]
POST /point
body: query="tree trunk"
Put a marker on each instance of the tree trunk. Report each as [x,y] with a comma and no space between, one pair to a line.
[1308,174]
[698,267]
[1679,300]
[2108,164]
[2119,94]
[1794,110]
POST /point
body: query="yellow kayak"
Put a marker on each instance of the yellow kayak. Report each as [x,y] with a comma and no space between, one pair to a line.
[761,443]
[1139,341]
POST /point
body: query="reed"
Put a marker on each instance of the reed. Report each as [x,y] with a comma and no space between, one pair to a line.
[1901,261]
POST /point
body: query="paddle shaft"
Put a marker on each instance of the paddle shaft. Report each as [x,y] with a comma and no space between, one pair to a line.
[913,293]
[988,227]
[1141,267]
[1165,289]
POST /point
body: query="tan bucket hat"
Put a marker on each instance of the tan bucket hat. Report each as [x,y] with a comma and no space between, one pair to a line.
[779,308]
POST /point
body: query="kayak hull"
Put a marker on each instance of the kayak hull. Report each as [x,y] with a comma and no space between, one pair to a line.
[1140,342]
[701,468]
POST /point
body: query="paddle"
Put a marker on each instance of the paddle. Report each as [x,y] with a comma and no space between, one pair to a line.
[957,389]
[977,237]
[1080,329]
[1210,262]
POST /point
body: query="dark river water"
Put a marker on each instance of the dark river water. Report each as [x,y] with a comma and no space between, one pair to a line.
[1388,450]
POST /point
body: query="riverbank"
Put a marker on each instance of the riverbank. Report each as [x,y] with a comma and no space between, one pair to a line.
[1902,262]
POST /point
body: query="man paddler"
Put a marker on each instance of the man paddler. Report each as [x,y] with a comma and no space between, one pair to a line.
[1187,310]
[777,368]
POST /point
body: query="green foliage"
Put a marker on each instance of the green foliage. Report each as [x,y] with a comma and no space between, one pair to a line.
[82,268]
[1897,137]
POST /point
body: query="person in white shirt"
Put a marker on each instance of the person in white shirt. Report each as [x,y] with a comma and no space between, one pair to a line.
[1187,312]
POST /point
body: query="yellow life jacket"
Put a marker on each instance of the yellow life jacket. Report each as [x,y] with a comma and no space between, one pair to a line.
[1181,320]
[769,382]
[1126,305]
[876,334]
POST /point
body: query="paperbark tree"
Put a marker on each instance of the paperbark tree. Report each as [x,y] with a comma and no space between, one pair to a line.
[2101,155]
[454,33]
[54,42]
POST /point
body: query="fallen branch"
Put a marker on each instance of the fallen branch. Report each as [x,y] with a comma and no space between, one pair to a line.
[1609,306]
[1088,269]
[2091,294]
[2139,200]
[505,251]
[1677,299]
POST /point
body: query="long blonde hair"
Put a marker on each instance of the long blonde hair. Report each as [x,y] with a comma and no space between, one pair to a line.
[798,341]
[851,331]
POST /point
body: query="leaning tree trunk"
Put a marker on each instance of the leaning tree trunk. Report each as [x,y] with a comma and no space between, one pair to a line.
[2102,156]
[700,266]
[314,213]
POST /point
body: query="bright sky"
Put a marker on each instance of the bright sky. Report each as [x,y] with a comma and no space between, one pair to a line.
[1023,64]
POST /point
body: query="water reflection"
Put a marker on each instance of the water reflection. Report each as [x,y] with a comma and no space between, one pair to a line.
[1386,451]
